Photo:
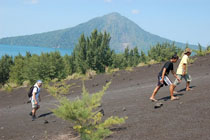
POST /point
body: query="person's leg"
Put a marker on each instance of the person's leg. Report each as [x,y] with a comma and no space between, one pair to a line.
[171,88]
[154,93]
[176,82]
[188,80]
[159,85]
[188,86]
[33,114]
[174,85]
[33,111]
[174,89]
[35,108]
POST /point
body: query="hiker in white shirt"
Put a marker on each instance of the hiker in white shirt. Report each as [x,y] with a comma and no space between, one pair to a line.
[35,99]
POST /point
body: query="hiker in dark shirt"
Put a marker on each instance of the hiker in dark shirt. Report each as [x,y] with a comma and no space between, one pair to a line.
[164,80]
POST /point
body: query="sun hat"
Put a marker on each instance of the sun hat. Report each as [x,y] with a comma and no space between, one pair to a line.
[187,50]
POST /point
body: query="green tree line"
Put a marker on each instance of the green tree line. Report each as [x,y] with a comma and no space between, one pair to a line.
[90,53]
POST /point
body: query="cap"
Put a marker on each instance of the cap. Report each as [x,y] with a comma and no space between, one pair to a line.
[39,81]
[175,56]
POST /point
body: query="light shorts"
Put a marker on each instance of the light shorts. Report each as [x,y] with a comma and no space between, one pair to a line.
[166,81]
[34,106]
[186,77]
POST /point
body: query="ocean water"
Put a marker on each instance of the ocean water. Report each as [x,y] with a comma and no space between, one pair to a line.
[15,50]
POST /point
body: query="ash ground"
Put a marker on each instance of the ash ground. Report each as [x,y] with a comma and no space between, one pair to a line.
[128,95]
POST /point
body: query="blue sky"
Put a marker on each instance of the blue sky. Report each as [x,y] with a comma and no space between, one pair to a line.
[179,20]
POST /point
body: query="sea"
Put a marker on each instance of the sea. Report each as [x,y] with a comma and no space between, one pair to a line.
[13,50]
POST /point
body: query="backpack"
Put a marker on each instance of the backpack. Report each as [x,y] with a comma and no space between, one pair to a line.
[31,90]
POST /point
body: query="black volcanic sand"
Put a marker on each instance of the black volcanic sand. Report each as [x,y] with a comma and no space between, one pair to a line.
[128,95]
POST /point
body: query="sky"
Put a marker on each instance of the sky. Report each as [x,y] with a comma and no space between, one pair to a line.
[186,21]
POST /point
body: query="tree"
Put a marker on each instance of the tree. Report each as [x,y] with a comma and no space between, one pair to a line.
[163,52]
[104,53]
[90,55]
[136,56]
[93,49]
[81,53]
[32,68]
[58,64]
[69,65]
[117,61]
[208,48]
[126,57]
[17,71]
[131,59]
[5,63]
[199,48]
[93,52]
[200,51]
[46,70]
[143,57]
[51,66]
[186,46]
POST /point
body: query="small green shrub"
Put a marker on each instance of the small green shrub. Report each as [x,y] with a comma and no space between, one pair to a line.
[90,74]
[26,83]
[129,68]
[192,60]
[110,70]
[76,76]
[83,113]
[58,89]
[8,87]
[200,51]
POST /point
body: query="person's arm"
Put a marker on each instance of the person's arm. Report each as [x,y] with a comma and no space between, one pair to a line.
[184,66]
[39,98]
[163,74]
[34,97]
[175,75]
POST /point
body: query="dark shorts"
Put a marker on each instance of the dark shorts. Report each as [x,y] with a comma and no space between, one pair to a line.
[166,81]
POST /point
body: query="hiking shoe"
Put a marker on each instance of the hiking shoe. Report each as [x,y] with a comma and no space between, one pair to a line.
[33,118]
[29,101]
[30,113]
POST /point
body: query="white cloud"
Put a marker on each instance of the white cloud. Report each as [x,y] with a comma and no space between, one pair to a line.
[135,11]
[31,1]
[34,1]
[108,1]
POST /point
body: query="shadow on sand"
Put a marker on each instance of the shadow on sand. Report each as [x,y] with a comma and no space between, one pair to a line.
[180,94]
[184,89]
[117,130]
[45,114]
[169,97]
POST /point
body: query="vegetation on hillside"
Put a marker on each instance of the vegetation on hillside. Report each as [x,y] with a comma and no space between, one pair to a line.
[200,51]
[92,53]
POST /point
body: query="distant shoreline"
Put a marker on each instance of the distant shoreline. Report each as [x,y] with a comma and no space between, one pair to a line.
[13,50]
